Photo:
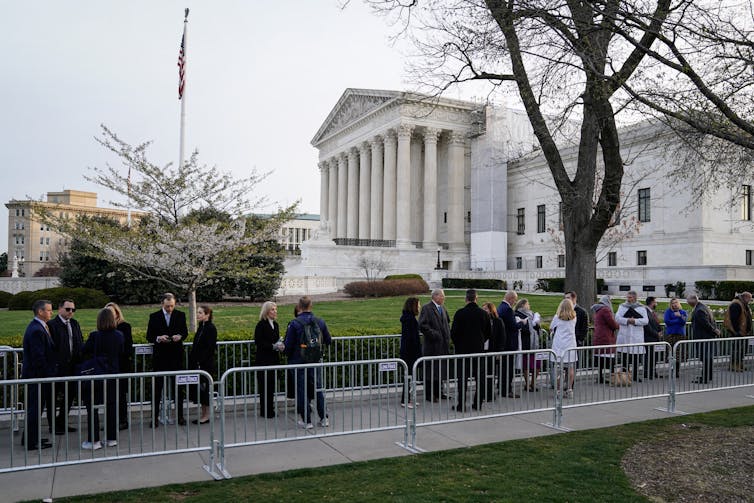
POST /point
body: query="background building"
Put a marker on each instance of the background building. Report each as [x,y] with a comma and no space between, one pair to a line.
[413,182]
[33,244]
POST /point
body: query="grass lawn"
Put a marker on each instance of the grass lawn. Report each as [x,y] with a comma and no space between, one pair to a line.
[576,466]
[344,318]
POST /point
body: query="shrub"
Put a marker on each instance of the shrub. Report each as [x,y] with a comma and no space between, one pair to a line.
[5,298]
[680,288]
[601,287]
[706,289]
[669,287]
[726,290]
[85,298]
[403,276]
[48,271]
[478,283]
[386,288]
[550,284]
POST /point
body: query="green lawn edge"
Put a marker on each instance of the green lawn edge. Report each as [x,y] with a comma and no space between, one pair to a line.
[574,466]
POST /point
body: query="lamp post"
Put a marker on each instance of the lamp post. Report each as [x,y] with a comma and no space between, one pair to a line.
[439,265]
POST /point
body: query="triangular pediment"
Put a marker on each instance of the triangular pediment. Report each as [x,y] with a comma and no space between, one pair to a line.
[353,105]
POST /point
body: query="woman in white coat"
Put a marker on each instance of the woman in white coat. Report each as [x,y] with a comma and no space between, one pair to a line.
[563,326]
[631,318]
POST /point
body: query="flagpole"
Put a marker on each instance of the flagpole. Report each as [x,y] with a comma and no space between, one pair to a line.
[182,90]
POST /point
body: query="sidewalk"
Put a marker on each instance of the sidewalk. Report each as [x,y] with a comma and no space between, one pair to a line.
[179,468]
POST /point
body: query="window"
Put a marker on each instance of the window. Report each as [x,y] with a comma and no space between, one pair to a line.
[624,288]
[47,241]
[560,215]
[41,241]
[648,288]
[520,221]
[519,263]
[746,202]
[748,257]
[468,216]
[644,197]
[612,259]
[445,217]
[538,261]
[561,260]
[541,218]
[18,212]
[641,257]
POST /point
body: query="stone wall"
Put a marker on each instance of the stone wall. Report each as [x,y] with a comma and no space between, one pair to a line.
[15,285]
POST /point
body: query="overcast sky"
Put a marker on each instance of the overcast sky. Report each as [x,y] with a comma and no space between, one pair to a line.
[262,77]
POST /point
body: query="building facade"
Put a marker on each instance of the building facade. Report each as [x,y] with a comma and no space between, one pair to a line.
[32,245]
[454,188]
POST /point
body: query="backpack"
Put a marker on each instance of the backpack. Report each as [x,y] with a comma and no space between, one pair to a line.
[310,340]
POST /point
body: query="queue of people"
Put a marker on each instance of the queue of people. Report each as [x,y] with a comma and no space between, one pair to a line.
[55,347]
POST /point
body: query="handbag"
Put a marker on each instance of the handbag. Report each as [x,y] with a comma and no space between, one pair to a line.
[96,365]
[620,378]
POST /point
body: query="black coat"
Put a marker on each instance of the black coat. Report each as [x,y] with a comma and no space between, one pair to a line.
[411,348]
[436,330]
[471,327]
[167,355]
[264,337]
[702,323]
[497,335]
[40,359]
[202,355]
[582,324]
[505,311]
[106,343]
[127,357]
[67,359]
[652,330]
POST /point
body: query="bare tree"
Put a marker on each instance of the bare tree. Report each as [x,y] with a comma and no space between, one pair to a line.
[569,59]
[373,266]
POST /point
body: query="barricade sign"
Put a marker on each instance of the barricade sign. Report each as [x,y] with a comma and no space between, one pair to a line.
[388,366]
[144,350]
[188,379]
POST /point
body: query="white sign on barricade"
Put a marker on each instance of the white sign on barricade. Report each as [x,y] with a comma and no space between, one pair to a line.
[144,350]
[188,379]
[388,366]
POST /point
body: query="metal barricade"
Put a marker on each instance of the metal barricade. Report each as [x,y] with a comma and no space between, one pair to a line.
[273,403]
[604,374]
[125,435]
[471,386]
[11,368]
[710,364]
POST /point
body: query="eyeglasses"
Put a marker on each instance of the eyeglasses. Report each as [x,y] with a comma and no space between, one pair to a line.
[70,309]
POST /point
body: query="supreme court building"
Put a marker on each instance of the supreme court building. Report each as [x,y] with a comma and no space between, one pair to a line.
[444,187]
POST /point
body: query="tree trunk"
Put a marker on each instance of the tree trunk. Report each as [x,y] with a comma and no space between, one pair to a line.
[581,271]
[192,308]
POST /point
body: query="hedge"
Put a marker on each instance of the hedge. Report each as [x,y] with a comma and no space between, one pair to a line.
[389,288]
[5,298]
[550,284]
[403,276]
[85,298]
[478,283]
[722,290]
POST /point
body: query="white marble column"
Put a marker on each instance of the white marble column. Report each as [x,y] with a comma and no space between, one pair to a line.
[323,189]
[365,181]
[352,228]
[430,188]
[388,201]
[403,187]
[456,163]
[332,200]
[342,195]
[375,224]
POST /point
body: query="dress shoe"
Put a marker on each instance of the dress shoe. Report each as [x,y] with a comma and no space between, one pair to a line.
[181,421]
[43,440]
[43,445]
[458,408]
[700,380]
[198,421]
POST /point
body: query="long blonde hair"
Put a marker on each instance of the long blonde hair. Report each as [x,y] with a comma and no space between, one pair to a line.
[116,310]
[565,310]
[266,308]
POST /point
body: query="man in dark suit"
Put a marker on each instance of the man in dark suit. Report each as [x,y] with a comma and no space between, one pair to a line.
[703,327]
[582,318]
[166,330]
[39,361]
[512,326]
[68,339]
[434,324]
[471,327]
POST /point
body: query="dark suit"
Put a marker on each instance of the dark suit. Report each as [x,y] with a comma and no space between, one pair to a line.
[202,357]
[264,337]
[126,366]
[703,327]
[68,350]
[107,344]
[505,312]
[436,330]
[471,327]
[40,361]
[167,355]
[652,332]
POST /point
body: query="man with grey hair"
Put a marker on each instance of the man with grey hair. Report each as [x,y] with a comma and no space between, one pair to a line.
[703,327]
[434,324]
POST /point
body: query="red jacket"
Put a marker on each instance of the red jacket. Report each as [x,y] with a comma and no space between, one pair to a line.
[604,328]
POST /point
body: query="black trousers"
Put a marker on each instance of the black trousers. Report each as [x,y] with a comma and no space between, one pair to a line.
[603,362]
[64,401]
[38,398]
[705,351]
[123,401]
[650,362]
[266,388]
[507,371]
[110,399]
[465,368]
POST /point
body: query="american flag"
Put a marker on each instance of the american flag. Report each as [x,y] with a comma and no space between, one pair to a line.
[182,66]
